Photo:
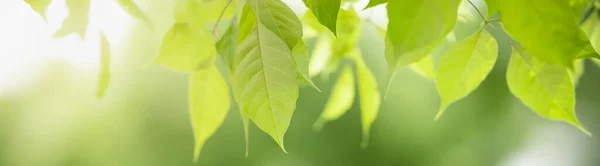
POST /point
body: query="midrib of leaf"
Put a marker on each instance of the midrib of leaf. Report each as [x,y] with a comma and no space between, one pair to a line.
[469,63]
[262,62]
[272,18]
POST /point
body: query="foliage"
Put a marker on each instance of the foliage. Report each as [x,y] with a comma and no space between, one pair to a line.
[265,56]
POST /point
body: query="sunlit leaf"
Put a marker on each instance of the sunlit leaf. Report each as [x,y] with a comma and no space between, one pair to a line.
[184,49]
[424,67]
[375,3]
[544,87]
[321,56]
[135,11]
[368,93]
[326,11]
[104,78]
[245,123]
[227,44]
[209,103]
[464,66]
[416,27]
[265,81]
[340,99]
[348,32]
[552,34]
[578,71]
[301,57]
[200,13]
[39,6]
[77,20]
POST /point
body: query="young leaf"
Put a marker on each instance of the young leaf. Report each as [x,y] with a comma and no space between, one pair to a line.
[552,34]
[326,12]
[209,103]
[278,18]
[184,49]
[301,57]
[39,6]
[424,67]
[368,95]
[134,11]
[348,32]
[375,3]
[104,77]
[246,122]
[416,27]
[578,71]
[226,45]
[77,20]
[544,87]
[321,56]
[464,66]
[199,13]
[340,100]
[264,80]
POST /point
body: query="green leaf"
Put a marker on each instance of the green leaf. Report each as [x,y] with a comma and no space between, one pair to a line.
[326,12]
[368,95]
[278,18]
[200,13]
[340,100]
[209,103]
[349,28]
[578,71]
[424,67]
[416,27]
[227,44]
[550,32]
[322,55]
[544,87]
[77,20]
[464,66]
[265,81]
[184,49]
[375,3]
[135,11]
[246,122]
[301,57]
[39,6]
[104,77]
[492,7]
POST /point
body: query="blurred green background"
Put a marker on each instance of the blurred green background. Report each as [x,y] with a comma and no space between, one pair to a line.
[49,113]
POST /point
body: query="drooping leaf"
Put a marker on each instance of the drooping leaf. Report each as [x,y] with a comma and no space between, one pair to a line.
[416,27]
[227,44]
[245,123]
[134,10]
[375,3]
[578,71]
[340,99]
[104,77]
[209,103]
[368,93]
[39,6]
[321,56]
[77,20]
[464,66]
[301,57]
[278,18]
[547,29]
[544,87]
[184,49]
[424,67]
[348,32]
[265,81]
[326,12]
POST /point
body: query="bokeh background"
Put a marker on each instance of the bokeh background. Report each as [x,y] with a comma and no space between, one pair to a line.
[50,115]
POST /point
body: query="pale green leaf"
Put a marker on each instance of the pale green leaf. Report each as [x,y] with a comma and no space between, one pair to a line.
[104,78]
[578,71]
[321,56]
[326,12]
[77,20]
[301,57]
[464,66]
[200,13]
[209,103]
[416,27]
[368,93]
[227,44]
[544,87]
[265,81]
[348,32]
[184,49]
[134,10]
[375,3]
[424,67]
[39,6]
[340,99]
[278,18]
[245,123]
[547,29]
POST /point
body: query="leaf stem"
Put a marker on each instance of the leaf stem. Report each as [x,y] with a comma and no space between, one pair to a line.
[219,19]
[481,15]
